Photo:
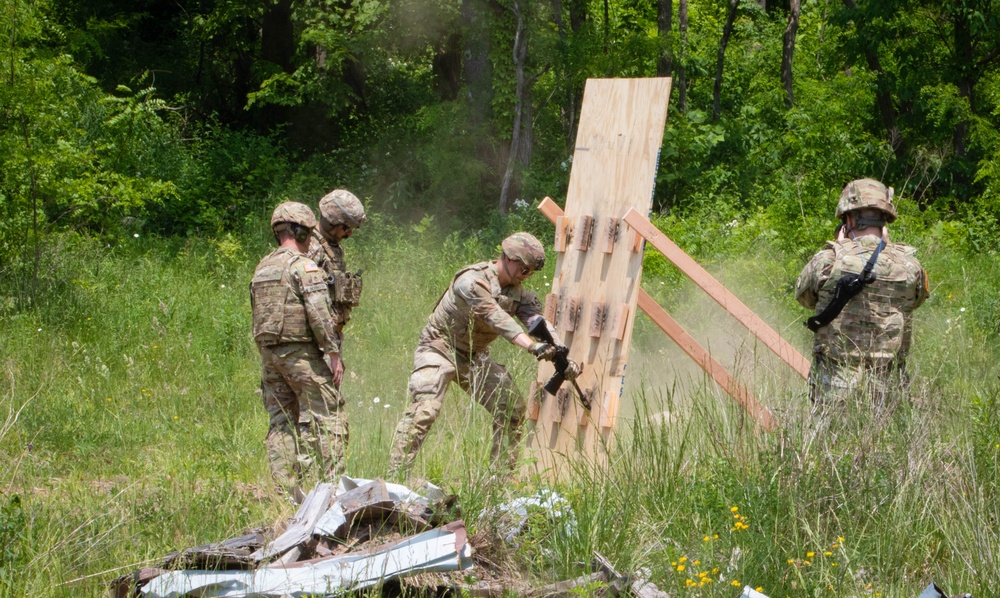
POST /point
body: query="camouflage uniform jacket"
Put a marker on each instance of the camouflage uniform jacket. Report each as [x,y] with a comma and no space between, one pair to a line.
[330,257]
[876,325]
[290,302]
[475,310]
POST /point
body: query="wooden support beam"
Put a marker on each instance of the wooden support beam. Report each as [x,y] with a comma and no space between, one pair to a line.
[689,345]
[561,232]
[612,226]
[715,290]
[572,313]
[586,232]
[598,315]
[551,309]
[621,321]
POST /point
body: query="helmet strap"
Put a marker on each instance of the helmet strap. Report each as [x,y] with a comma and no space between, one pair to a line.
[863,222]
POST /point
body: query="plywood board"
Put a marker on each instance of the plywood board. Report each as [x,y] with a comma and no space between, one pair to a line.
[614,168]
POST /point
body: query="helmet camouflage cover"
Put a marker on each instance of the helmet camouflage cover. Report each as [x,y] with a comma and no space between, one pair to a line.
[867,193]
[525,248]
[292,212]
[342,207]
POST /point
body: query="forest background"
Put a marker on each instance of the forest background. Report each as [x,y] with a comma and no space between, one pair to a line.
[144,143]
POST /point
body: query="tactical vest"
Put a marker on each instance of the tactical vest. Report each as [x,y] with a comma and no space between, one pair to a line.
[279,315]
[345,287]
[875,325]
[453,319]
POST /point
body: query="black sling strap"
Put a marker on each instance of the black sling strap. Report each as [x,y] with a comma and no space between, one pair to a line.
[847,288]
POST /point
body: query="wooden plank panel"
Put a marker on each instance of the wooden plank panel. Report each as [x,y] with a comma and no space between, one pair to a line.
[721,294]
[614,168]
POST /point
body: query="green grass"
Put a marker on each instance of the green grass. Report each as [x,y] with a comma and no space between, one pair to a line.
[130,427]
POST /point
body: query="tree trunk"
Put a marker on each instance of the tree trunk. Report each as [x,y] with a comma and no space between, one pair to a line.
[788,50]
[476,51]
[277,34]
[607,25]
[664,23]
[964,68]
[519,155]
[882,95]
[577,14]
[682,25]
[727,30]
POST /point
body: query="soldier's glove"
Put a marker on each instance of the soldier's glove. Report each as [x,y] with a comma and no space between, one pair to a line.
[573,370]
[543,351]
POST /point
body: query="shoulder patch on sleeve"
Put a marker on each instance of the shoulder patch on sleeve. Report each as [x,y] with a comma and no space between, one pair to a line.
[310,267]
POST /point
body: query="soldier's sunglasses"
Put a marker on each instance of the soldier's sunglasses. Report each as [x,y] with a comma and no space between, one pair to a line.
[524,271]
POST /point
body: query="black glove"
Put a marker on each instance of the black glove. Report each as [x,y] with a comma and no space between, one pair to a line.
[543,351]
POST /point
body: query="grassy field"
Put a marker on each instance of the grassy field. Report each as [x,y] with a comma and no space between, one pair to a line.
[130,427]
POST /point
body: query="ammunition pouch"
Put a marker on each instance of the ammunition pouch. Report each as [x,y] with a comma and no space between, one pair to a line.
[345,288]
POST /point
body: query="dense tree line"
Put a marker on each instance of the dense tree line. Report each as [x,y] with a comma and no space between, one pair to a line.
[183,116]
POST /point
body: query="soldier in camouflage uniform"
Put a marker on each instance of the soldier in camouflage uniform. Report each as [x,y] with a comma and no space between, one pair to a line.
[295,331]
[865,347]
[341,213]
[479,305]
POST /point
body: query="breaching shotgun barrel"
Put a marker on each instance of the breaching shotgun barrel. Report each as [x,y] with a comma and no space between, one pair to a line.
[539,331]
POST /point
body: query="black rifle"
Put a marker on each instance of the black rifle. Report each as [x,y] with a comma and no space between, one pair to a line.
[540,332]
[847,288]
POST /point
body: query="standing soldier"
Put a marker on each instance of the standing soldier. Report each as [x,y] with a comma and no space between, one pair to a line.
[864,289]
[341,213]
[295,331]
[479,305]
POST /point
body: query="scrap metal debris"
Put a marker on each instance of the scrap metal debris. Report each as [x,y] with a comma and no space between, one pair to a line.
[363,533]
[933,591]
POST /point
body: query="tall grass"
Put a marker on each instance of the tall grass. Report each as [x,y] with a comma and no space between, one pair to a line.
[131,426]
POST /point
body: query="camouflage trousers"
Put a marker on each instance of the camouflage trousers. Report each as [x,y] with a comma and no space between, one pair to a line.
[308,428]
[484,379]
[881,383]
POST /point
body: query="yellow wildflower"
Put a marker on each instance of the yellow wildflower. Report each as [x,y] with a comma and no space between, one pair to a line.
[735,583]
[810,554]
[734,509]
[680,568]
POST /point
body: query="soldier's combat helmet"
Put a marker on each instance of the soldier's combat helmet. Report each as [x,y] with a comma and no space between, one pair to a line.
[342,207]
[525,248]
[292,212]
[867,193]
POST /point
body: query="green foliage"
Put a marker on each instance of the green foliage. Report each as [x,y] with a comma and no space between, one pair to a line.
[13,533]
